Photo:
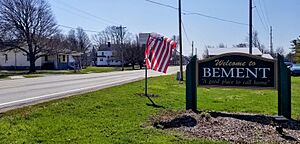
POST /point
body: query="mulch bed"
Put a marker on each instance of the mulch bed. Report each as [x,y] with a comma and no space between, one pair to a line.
[232,127]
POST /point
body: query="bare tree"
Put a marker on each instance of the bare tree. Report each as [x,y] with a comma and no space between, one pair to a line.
[84,44]
[140,52]
[240,45]
[78,41]
[280,50]
[221,45]
[256,42]
[205,54]
[72,40]
[27,25]
[112,34]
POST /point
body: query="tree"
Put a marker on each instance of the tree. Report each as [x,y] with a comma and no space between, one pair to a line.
[240,45]
[256,42]
[140,53]
[27,25]
[296,49]
[279,50]
[79,42]
[205,53]
[289,57]
[84,44]
[221,45]
[111,34]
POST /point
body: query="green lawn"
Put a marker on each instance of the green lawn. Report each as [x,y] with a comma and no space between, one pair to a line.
[118,115]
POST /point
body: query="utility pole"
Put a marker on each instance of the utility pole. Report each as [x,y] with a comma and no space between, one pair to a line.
[271,41]
[250,26]
[192,48]
[180,40]
[121,41]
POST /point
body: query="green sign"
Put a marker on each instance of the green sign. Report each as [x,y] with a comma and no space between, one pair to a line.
[238,70]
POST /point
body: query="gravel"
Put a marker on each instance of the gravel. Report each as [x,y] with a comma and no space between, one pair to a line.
[231,127]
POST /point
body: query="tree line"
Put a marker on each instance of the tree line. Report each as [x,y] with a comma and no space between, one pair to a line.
[292,56]
[29,26]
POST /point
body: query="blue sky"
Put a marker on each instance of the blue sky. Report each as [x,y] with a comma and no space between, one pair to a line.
[142,16]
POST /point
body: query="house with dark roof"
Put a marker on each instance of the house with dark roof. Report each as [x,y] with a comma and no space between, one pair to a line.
[105,57]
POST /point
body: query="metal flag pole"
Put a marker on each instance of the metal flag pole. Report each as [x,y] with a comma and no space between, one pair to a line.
[146,86]
[146,79]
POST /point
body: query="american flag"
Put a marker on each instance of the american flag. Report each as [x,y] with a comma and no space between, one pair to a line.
[158,52]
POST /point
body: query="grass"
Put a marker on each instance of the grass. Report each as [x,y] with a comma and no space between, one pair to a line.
[99,69]
[118,115]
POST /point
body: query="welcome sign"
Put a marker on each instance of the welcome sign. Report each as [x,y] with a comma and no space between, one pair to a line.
[237,70]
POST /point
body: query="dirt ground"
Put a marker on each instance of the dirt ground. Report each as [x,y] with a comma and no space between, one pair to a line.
[231,127]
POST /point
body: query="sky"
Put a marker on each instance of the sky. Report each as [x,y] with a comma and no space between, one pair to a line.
[143,16]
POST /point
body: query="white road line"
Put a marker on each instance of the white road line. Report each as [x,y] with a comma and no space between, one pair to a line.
[53,95]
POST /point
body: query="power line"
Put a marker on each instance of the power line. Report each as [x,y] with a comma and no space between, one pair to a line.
[262,22]
[161,4]
[263,13]
[185,33]
[87,13]
[266,10]
[185,12]
[76,13]
[216,18]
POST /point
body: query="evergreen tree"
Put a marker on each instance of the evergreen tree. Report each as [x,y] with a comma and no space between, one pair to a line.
[296,49]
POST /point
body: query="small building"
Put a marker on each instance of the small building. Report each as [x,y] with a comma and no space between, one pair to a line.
[18,60]
[15,59]
[60,61]
[105,58]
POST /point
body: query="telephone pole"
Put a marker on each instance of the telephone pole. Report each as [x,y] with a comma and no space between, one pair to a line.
[192,48]
[250,26]
[271,41]
[121,41]
[180,40]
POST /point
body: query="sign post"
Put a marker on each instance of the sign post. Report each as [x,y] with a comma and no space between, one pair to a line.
[191,85]
[284,89]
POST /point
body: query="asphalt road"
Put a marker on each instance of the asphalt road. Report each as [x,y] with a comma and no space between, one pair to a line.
[21,92]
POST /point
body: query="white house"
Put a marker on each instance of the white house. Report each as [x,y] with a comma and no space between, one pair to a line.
[105,58]
[15,59]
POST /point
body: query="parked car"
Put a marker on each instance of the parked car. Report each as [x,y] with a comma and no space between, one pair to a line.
[295,69]
[288,64]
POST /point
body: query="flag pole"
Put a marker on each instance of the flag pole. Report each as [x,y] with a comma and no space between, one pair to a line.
[146,86]
[146,79]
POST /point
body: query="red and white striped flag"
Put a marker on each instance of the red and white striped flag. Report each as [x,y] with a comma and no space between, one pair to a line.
[158,52]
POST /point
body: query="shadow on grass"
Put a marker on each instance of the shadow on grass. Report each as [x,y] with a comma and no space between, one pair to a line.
[187,121]
[155,105]
[262,119]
